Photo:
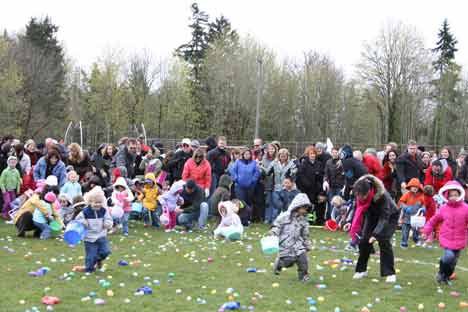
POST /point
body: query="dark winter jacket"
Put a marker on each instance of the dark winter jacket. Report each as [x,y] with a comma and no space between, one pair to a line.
[124,158]
[463,174]
[245,173]
[219,160]
[353,169]
[324,158]
[102,163]
[210,143]
[222,193]
[334,174]
[176,165]
[408,167]
[309,177]
[82,166]
[192,201]
[381,219]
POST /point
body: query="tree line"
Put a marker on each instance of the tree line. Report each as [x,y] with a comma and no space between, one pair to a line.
[399,90]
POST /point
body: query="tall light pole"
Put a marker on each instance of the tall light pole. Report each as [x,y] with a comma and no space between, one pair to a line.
[259,94]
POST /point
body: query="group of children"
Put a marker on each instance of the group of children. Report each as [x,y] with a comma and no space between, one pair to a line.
[158,203]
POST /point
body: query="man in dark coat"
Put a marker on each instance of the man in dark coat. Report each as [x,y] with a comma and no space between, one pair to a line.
[219,160]
[409,165]
[126,156]
[176,165]
[334,179]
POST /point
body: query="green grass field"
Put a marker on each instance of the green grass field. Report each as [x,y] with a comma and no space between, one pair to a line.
[154,254]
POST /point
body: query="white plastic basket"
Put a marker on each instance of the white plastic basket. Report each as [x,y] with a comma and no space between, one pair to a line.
[270,245]
[419,220]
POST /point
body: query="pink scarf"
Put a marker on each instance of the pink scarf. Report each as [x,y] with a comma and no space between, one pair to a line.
[361,207]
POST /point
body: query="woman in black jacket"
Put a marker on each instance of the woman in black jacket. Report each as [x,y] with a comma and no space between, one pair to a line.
[376,219]
[309,177]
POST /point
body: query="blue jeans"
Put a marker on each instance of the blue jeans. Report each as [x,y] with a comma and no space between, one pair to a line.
[187,219]
[124,221]
[95,252]
[331,193]
[448,263]
[152,217]
[44,228]
[245,194]
[405,231]
[214,183]
[269,207]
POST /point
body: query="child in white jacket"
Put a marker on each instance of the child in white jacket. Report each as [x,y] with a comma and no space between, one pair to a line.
[231,225]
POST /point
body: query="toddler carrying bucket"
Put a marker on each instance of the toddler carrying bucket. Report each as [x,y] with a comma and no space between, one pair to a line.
[270,245]
[55,227]
[74,233]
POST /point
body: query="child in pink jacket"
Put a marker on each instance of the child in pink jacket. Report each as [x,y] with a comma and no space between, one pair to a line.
[453,219]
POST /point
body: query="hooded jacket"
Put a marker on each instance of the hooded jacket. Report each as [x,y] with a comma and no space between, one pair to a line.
[453,217]
[124,198]
[229,219]
[222,192]
[200,173]
[410,198]
[150,193]
[439,180]
[381,218]
[292,229]
[169,199]
[353,169]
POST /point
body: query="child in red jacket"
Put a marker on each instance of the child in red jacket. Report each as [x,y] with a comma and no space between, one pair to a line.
[429,202]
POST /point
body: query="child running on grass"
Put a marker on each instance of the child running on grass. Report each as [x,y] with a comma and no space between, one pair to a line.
[292,229]
[453,218]
[97,220]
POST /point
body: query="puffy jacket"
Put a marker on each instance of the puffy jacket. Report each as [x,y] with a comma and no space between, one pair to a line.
[292,229]
[438,181]
[453,217]
[200,173]
[230,220]
[124,198]
[59,171]
[97,222]
[30,205]
[381,218]
[150,193]
[245,173]
[169,199]
[219,160]
[334,174]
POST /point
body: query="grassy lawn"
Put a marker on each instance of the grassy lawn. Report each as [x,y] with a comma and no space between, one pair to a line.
[153,254]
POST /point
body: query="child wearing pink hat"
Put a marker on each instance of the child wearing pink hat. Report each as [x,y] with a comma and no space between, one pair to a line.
[453,220]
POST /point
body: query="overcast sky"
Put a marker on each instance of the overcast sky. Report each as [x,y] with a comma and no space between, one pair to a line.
[338,28]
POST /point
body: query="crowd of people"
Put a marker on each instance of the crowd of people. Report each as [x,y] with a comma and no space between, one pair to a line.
[368,194]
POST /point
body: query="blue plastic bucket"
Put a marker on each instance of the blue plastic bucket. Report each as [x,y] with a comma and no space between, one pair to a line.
[74,233]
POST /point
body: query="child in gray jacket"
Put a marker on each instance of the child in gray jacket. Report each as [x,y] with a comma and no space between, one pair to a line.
[292,229]
[97,221]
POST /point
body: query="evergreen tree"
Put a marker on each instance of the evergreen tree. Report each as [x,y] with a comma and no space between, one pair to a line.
[445,48]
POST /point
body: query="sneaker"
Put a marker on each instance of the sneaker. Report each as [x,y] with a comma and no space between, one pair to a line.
[168,230]
[306,278]
[441,279]
[360,275]
[125,234]
[99,265]
[9,222]
[419,244]
[391,279]
[404,246]
[352,248]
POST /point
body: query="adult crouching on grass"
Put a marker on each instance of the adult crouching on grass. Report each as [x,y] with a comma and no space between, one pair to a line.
[375,219]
